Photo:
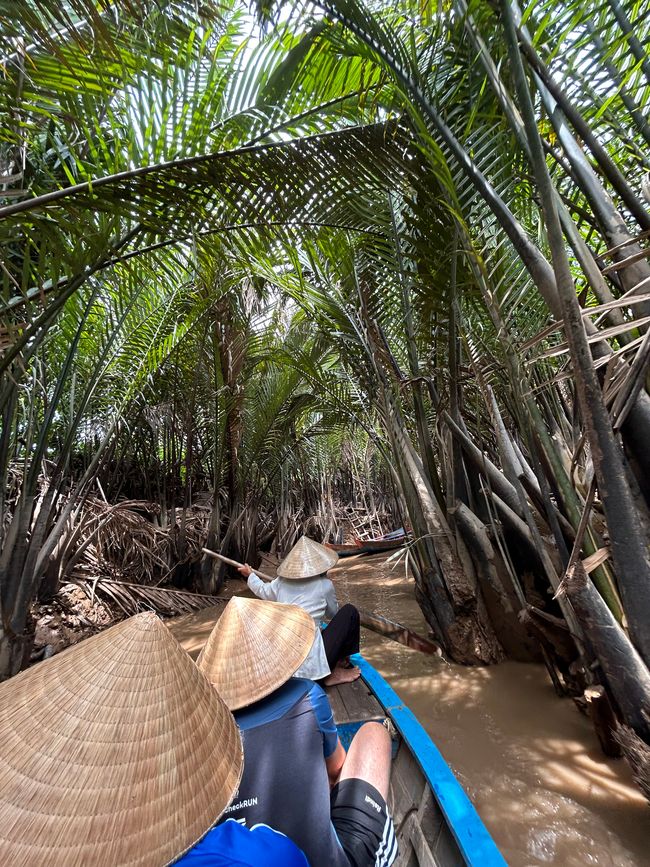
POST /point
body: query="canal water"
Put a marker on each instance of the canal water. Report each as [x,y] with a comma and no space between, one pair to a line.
[529,761]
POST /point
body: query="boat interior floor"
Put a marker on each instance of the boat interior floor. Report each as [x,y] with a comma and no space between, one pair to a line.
[354,703]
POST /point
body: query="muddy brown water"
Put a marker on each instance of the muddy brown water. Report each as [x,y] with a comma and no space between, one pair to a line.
[529,761]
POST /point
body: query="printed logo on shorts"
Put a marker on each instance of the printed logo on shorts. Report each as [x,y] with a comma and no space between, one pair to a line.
[372,803]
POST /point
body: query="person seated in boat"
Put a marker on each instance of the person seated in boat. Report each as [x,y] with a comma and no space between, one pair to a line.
[119,751]
[297,775]
[302,580]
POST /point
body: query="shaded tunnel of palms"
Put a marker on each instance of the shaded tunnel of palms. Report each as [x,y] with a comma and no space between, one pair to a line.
[396,256]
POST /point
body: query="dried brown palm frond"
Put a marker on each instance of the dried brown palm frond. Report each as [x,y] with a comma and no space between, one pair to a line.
[637,753]
[128,599]
[123,543]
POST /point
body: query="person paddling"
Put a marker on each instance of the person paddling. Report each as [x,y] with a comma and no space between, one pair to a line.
[302,580]
[117,752]
[297,775]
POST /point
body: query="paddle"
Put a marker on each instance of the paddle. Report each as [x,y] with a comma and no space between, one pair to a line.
[380,625]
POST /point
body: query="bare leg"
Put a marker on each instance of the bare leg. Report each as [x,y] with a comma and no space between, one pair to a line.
[369,757]
[342,675]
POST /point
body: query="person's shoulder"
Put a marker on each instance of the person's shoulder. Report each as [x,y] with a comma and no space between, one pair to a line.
[319,583]
[324,576]
[273,706]
[276,848]
[299,686]
[314,689]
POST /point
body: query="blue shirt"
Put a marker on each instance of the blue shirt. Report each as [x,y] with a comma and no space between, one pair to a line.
[233,845]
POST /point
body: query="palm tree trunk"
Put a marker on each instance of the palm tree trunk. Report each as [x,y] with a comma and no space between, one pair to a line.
[626,674]
[470,635]
[630,550]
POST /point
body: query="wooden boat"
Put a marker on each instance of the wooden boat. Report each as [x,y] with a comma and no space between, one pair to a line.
[346,550]
[389,542]
[400,533]
[372,546]
[435,822]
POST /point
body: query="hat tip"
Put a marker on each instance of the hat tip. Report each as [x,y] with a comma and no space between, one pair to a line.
[145,620]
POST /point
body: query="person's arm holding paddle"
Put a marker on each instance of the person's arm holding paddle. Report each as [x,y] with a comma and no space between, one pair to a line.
[262,589]
[380,625]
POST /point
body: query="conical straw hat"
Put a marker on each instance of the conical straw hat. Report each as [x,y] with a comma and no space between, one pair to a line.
[116,752]
[307,559]
[254,648]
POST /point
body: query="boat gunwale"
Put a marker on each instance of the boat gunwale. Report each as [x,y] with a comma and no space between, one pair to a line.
[473,838]
[344,550]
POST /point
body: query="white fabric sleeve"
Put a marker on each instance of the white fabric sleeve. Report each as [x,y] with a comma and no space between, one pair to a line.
[263,589]
[331,602]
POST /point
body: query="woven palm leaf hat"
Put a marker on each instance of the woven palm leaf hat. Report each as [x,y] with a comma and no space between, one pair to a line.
[115,752]
[254,648]
[307,559]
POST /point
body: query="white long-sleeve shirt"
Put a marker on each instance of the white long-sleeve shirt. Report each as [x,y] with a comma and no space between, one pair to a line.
[318,597]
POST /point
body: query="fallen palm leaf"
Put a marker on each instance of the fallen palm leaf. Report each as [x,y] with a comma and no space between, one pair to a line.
[133,598]
[593,561]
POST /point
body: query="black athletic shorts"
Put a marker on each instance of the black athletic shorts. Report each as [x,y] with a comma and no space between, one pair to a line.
[363,825]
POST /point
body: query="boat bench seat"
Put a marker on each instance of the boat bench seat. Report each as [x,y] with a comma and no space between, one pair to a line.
[354,703]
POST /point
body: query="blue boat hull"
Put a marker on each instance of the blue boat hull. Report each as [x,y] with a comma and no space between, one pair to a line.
[436,823]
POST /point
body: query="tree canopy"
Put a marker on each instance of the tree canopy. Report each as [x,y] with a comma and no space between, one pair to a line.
[340,249]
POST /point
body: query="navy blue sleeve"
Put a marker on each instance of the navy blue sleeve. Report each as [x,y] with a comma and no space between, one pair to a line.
[321,705]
